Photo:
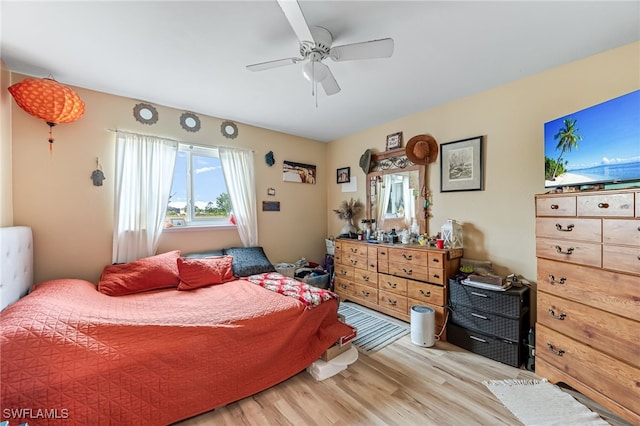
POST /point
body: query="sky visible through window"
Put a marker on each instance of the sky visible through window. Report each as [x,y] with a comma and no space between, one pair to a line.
[208,181]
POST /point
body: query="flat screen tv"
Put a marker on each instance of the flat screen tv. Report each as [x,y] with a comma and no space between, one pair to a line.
[597,145]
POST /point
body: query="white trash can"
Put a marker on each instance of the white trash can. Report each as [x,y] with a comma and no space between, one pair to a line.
[423,326]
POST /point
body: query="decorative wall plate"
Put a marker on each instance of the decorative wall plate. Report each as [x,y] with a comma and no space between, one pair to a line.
[190,122]
[145,113]
[229,129]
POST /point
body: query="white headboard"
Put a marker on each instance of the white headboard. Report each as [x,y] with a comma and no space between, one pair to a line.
[16,263]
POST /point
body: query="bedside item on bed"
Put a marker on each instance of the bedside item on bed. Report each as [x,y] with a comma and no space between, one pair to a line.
[150,273]
[249,261]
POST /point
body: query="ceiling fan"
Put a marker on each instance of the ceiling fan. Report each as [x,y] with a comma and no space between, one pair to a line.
[315,46]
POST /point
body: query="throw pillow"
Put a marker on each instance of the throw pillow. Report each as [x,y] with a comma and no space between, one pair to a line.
[150,273]
[249,261]
[201,272]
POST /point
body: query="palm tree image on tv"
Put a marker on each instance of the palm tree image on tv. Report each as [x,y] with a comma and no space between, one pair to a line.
[568,139]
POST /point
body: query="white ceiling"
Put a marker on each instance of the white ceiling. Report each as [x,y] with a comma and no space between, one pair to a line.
[192,55]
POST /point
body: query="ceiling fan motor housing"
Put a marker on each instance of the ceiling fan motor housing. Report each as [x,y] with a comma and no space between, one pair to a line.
[321,44]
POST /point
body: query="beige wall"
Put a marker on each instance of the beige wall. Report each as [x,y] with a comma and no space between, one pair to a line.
[498,222]
[6,202]
[72,219]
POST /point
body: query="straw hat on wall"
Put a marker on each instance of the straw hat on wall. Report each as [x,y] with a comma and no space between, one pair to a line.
[422,149]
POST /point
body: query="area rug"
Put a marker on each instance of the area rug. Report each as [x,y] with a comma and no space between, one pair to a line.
[375,330]
[538,402]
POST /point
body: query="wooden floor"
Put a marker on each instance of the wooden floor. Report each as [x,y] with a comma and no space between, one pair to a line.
[402,384]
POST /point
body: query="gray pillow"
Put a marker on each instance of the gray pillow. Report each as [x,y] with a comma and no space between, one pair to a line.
[202,254]
[249,261]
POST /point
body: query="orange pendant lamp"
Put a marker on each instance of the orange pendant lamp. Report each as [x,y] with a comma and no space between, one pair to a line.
[49,100]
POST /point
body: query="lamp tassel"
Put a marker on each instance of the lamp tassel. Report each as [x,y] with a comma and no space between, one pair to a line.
[51,138]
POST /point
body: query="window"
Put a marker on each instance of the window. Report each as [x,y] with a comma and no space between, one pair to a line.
[199,195]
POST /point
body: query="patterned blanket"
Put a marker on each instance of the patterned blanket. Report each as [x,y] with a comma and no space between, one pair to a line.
[309,295]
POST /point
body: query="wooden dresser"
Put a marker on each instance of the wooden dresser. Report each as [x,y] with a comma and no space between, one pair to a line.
[588,295]
[392,278]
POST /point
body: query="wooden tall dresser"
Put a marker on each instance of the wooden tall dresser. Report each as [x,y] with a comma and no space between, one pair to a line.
[588,295]
[391,278]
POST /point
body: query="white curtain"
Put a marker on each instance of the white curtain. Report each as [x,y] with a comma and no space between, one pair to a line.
[383,199]
[144,173]
[239,176]
[409,201]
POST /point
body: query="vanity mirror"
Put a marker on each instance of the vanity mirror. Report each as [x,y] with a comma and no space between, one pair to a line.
[395,192]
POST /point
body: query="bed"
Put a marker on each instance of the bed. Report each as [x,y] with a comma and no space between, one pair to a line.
[71,354]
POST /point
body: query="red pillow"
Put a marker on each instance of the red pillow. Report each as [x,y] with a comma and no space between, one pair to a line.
[150,273]
[196,273]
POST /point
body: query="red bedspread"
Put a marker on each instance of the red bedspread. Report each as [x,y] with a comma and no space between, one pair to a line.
[71,355]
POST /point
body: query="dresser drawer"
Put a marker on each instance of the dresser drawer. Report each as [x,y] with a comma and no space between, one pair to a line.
[365,277]
[392,301]
[383,260]
[489,323]
[609,333]
[556,206]
[616,380]
[436,259]
[620,258]
[415,257]
[366,293]
[606,205]
[579,252]
[343,271]
[569,229]
[344,287]
[354,260]
[510,303]
[392,284]
[414,271]
[601,289]
[436,276]
[426,293]
[621,231]
[356,249]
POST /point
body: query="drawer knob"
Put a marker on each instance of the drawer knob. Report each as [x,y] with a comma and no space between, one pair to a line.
[436,276]
[555,351]
[407,256]
[392,285]
[569,228]
[365,278]
[603,205]
[343,286]
[482,317]
[477,339]
[554,207]
[552,280]
[392,302]
[479,294]
[569,250]
[343,272]
[408,272]
[354,262]
[560,316]
[435,260]
[425,293]
[365,293]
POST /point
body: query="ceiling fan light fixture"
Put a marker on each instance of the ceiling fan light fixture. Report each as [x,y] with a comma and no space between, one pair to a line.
[315,71]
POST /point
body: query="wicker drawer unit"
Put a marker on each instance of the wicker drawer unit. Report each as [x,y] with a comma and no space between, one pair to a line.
[501,317]
[392,278]
[588,298]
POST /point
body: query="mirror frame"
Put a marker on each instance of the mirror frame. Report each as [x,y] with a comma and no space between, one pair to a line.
[395,161]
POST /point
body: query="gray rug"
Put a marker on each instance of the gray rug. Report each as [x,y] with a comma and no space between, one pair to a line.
[375,330]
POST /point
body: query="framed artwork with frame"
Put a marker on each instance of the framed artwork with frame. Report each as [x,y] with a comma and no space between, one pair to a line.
[343,175]
[394,141]
[461,165]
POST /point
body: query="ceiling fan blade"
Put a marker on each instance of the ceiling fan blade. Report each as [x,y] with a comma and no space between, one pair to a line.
[329,83]
[365,50]
[273,64]
[294,15]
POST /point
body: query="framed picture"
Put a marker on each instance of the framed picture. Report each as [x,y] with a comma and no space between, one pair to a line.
[271,206]
[461,165]
[271,191]
[343,175]
[394,141]
[177,222]
[298,172]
